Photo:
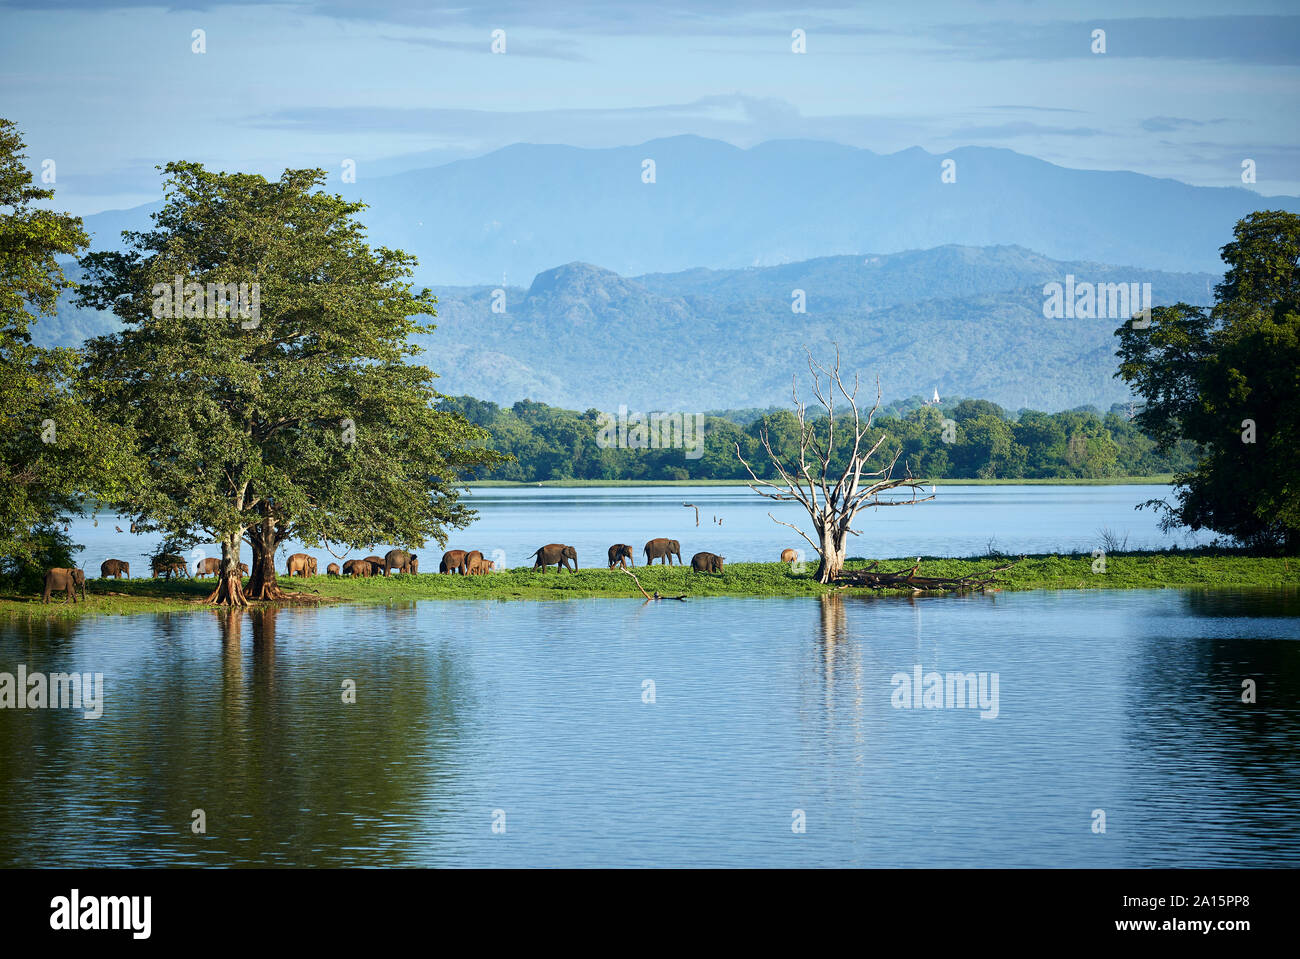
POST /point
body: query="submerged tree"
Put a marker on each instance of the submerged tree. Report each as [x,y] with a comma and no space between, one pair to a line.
[263,371]
[829,473]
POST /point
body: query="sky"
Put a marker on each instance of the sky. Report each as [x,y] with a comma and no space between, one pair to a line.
[110,90]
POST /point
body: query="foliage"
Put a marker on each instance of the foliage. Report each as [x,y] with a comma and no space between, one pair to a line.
[549,444]
[51,448]
[305,402]
[1227,379]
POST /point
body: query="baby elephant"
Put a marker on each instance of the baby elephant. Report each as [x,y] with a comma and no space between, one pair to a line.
[64,580]
[117,568]
[332,569]
[789,556]
[707,563]
[620,554]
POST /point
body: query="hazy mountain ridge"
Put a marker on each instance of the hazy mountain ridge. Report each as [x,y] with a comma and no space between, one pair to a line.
[715,340]
[963,320]
[519,210]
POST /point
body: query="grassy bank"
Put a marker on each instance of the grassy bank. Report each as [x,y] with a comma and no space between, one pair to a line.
[1160,480]
[1213,570]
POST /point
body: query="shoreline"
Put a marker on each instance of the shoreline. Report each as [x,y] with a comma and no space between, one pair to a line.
[1133,570]
[1162,479]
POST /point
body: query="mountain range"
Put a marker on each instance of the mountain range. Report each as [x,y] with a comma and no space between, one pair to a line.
[520,210]
[962,320]
[690,305]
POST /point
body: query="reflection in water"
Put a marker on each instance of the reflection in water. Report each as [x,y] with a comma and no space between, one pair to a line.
[1127,701]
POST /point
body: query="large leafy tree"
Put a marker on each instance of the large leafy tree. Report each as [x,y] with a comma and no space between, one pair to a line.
[300,416]
[1227,378]
[51,449]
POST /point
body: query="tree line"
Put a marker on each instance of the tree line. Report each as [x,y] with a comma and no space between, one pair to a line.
[963,439]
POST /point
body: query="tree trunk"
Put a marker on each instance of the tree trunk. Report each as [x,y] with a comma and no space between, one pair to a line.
[832,540]
[230,587]
[263,583]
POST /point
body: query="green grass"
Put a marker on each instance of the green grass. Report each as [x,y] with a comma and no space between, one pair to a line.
[1198,570]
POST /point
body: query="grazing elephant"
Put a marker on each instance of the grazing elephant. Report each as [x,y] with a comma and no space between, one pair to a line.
[620,554]
[115,568]
[207,567]
[477,565]
[243,568]
[167,564]
[663,550]
[66,580]
[358,567]
[556,554]
[400,560]
[707,563]
[453,561]
[300,564]
[332,569]
[789,556]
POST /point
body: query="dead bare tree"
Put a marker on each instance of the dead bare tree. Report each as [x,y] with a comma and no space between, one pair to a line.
[832,503]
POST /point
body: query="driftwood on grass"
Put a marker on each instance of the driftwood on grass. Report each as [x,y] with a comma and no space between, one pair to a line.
[648,597]
[872,578]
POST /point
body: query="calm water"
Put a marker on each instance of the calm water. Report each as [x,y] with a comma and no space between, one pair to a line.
[961,521]
[1127,702]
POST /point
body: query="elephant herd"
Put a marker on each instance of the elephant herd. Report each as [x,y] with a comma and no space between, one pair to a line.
[458,561]
[300,564]
[465,563]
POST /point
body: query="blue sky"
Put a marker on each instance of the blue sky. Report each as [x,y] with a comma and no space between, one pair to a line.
[108,90]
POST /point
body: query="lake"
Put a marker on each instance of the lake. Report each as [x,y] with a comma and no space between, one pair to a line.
[513,522]
[609,732]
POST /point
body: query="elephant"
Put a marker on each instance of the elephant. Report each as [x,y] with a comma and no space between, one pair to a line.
[168,563]
[243,568]
[556,554]
[300,564]
[66,580]
[400,560]
[114,568]
[332,569]
[207,567]
[707,563]
[453,561]
[476,565]
[789,556]
[664,550]
[620,554]
[358,567]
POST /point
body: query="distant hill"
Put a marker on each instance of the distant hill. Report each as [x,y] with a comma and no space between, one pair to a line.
[519,210]
[963,320]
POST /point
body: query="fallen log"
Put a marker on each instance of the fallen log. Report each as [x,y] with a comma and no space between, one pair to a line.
[871,578]
[647,596]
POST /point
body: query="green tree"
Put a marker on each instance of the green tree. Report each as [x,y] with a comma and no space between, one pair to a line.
[1227,379]
[52,451]
[295,409]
